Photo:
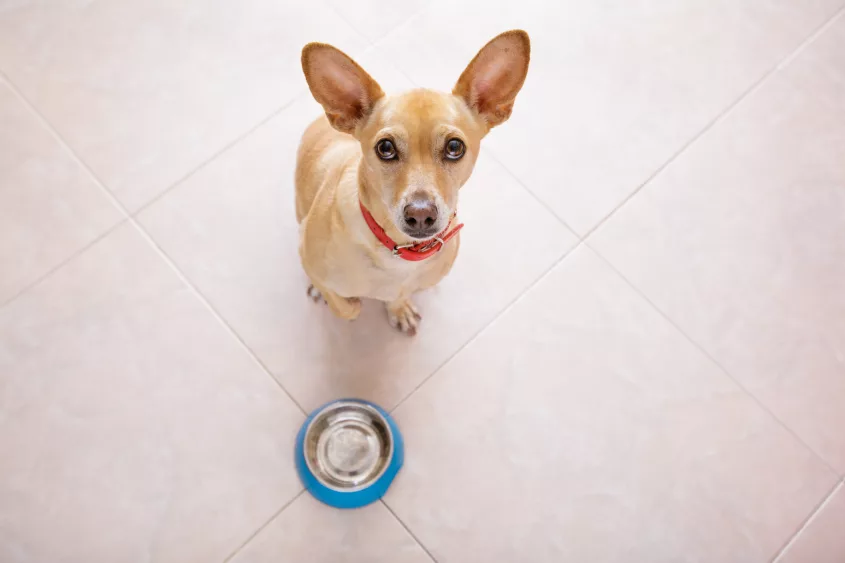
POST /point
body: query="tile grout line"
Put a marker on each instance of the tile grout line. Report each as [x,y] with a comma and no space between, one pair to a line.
[124,216]
[806,522]
[261,527]
[487,325]
[720,116]
[674,156]
[715,362]
[360,34]
[130,219]
[169,261]
[65,262]
[840,12]
[237,140]
[408,530]
[365,37]
[534,196]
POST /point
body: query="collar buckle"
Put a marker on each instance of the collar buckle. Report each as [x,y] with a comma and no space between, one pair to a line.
[426,246]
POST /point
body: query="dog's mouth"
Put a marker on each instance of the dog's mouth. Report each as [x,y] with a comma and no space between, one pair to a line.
[422,234]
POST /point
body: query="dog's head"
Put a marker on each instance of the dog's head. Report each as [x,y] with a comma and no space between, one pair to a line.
[419,147]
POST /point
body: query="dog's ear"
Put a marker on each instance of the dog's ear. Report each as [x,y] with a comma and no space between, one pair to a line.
[490,83]
[343,88]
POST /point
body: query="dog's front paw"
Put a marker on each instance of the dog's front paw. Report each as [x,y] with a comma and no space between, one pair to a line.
[347,308]
[403,316]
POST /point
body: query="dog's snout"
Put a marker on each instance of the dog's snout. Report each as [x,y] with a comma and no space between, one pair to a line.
[420,214]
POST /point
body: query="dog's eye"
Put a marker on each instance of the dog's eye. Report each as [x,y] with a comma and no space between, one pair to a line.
[454,149]
[386,150]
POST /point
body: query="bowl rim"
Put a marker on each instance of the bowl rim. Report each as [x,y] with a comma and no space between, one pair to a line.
[337,405]
[344,498]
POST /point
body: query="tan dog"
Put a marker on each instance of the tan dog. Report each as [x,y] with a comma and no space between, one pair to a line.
[377,178]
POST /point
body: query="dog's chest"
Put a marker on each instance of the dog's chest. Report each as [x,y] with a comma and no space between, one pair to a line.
[386,277]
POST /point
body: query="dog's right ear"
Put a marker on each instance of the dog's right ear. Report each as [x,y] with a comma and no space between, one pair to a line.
[343,88]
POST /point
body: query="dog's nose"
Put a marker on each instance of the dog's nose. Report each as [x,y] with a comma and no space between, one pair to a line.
[420,214]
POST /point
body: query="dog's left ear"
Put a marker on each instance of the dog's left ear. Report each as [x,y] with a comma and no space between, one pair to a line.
[490,83]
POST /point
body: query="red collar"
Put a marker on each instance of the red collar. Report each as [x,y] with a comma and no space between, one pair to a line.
[412,252]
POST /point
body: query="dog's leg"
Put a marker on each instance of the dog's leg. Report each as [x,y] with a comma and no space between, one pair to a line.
[403,316]
[347,308]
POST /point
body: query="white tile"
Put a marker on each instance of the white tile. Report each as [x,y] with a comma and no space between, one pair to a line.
[231,228]
[822,540]
[741,241]
[374,18]
[581,426]
[614,88]
[312,532]
[133,427]
[49,206]
[145,92]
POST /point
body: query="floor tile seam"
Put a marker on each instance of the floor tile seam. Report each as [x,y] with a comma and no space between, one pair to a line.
[496,316]
[719,117]
[261,528]
[73,255]
[806,522]
[531,194]
[703,350]
[408,530]
[365,37]
[123,216]
[230,146]
[129,218]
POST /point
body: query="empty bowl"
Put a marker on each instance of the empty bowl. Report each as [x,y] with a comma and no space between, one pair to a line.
[348,453]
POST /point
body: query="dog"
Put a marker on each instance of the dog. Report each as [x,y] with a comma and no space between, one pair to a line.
[377,177]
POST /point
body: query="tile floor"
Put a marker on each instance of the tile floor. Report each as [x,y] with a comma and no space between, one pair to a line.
[651,367]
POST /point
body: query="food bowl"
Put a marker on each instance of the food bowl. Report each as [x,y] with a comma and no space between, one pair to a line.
[348,452]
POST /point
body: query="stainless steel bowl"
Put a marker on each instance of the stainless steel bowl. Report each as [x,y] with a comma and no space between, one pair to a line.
[348,446]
